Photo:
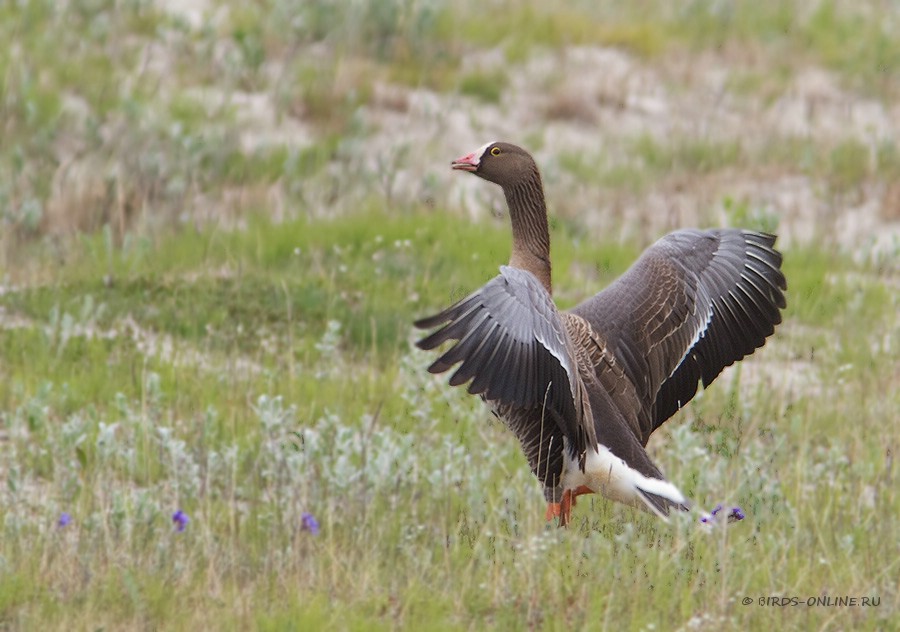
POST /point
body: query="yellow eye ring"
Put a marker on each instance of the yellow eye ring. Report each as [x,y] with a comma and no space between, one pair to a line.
[495,151]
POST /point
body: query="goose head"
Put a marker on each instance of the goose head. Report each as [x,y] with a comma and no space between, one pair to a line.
[501,163]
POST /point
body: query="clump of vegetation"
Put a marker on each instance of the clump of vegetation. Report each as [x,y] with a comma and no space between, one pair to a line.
[686,154]
[486,86]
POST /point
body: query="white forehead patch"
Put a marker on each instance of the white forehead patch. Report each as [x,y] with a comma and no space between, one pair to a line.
[480,151]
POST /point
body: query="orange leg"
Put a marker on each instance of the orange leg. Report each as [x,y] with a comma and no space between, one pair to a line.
[563,509]
[552,511]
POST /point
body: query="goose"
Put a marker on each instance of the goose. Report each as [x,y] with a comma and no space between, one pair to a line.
[584,389]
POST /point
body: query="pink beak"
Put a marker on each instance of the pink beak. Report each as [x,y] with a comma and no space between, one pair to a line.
[469,162]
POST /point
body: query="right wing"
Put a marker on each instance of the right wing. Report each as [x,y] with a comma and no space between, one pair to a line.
[513,345]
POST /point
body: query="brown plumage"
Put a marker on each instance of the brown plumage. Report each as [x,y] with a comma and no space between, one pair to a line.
[583,390]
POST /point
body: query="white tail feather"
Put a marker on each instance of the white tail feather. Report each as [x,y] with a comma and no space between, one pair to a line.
[611,476]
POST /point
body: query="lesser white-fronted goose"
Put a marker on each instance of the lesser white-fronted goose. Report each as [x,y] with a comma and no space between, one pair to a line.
[584,389]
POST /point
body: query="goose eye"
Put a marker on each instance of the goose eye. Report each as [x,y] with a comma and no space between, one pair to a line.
[495,151]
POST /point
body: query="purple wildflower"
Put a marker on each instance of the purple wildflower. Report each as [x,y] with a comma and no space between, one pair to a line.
[734,515]
[309,523]
[64,520]
[180,519]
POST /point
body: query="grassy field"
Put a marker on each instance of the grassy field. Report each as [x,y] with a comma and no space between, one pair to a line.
[219,222]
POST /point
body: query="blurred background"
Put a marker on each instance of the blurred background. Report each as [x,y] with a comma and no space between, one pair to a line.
[145,116]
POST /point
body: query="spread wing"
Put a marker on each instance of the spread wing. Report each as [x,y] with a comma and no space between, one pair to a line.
[692,304]
[514,347]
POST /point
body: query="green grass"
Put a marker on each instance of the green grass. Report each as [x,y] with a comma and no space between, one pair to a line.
[382,453]
[166,344]
[693,155]
[643,162]
[486,86]
[523,27]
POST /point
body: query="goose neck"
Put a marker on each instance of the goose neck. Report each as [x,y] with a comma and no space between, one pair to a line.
[531,233]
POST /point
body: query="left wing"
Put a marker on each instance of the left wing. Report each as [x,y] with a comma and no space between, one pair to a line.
[692,304]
